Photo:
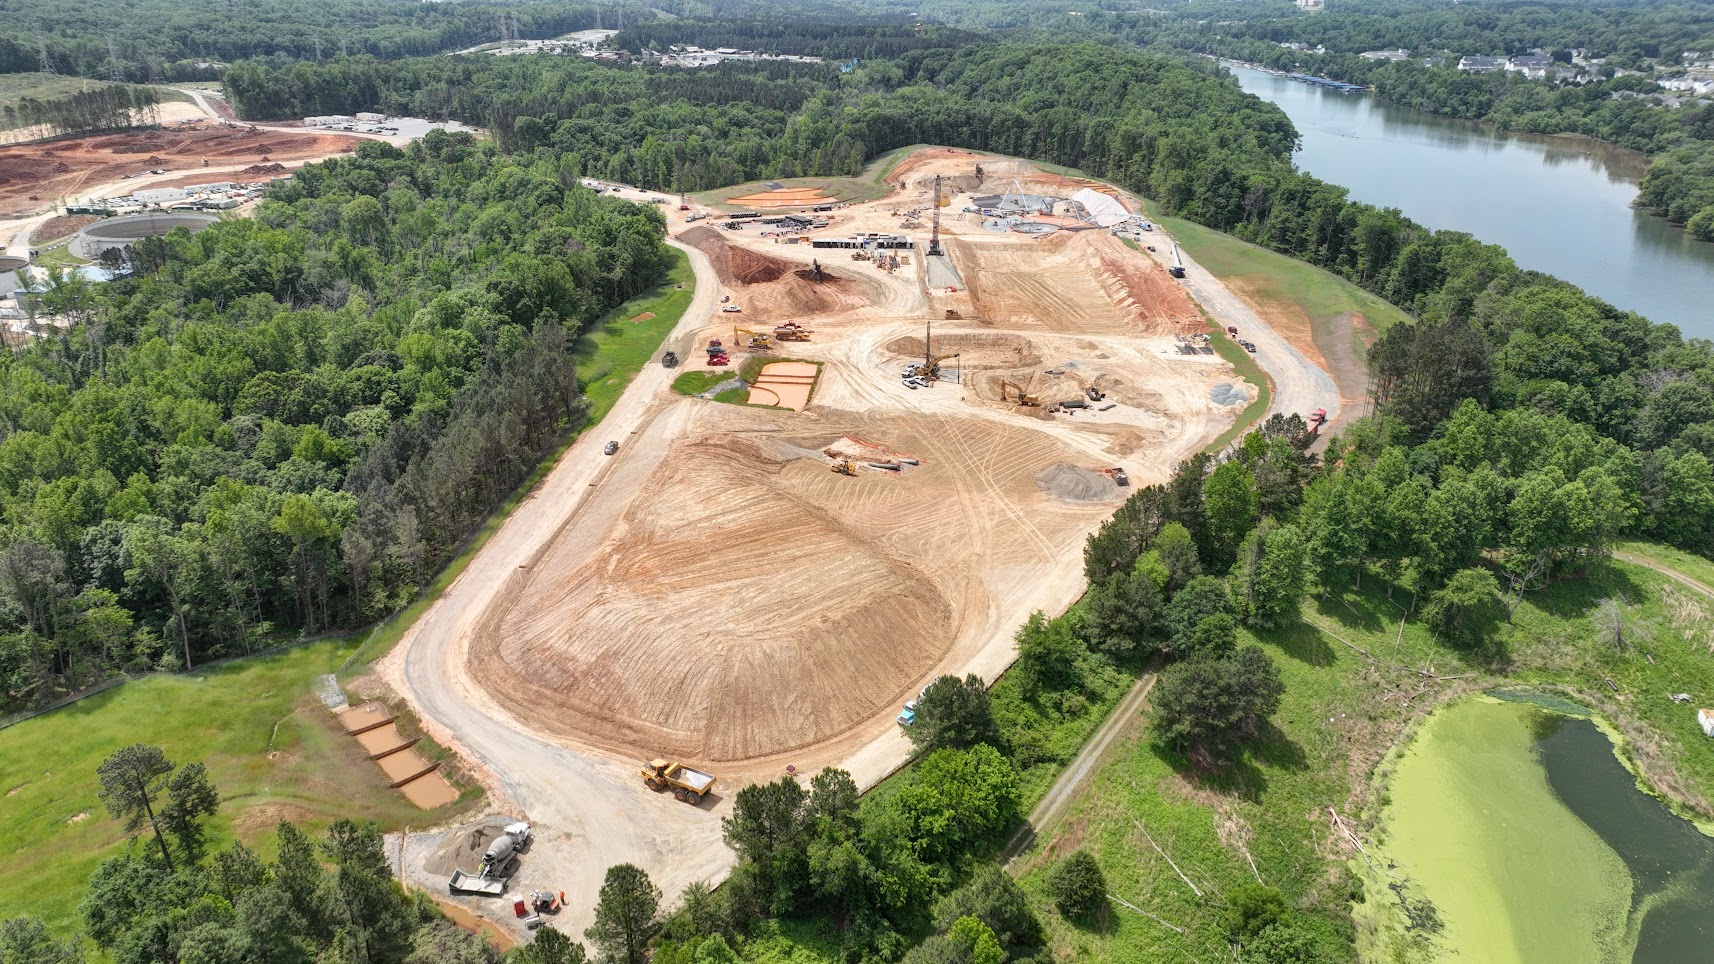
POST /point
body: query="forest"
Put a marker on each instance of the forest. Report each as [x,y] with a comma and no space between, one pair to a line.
[286,424]
[151,41]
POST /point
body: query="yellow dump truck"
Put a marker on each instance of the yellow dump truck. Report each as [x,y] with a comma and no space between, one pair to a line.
[686,784]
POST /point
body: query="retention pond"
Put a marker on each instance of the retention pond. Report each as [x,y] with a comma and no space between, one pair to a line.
[1512,833]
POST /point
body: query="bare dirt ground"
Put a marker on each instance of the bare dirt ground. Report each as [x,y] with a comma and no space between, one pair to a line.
[715,593]
[34,175]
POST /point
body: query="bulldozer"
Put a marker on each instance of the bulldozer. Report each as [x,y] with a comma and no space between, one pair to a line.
[845,467]
[1024,398]
[759,340]
[952,313]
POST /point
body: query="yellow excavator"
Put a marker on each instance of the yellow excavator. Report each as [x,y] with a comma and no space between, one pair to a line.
[845,467]
[932,367]
[1024,398]
[759,341]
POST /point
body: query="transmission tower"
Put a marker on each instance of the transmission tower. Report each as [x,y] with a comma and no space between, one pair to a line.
[42,47]
[934,239]
[115,72]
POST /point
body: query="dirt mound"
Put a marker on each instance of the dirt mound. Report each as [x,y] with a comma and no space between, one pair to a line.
[1100,286]
[754,268]
[722,579]
[778,288]
[1074,484]
[63,226]
[975,350]
[464,847]
[260,170]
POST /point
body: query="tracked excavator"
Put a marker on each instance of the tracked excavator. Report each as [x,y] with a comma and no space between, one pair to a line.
[1023,397]
[759,340]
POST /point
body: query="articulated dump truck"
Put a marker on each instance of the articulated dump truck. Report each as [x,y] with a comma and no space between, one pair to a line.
[686,784]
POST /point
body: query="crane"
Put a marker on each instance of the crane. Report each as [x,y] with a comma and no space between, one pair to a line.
[759,341]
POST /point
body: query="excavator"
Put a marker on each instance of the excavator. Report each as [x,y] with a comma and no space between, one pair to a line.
[1024,398]
[845,467]
[931,368]
[759,341]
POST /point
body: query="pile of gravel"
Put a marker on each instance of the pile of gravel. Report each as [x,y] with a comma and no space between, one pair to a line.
[1227,393]
[1074,484]
[725,386]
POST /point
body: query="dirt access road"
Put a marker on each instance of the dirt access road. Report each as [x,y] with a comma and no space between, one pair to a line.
[584,805]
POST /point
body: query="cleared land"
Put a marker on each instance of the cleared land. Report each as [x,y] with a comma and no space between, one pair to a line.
[33,175]
[721,596]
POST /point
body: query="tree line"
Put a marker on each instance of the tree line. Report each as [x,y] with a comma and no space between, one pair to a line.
[103,108]
[858,36]
[169,40]
[286,424]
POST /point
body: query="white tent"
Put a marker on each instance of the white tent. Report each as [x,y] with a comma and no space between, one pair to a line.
[1105,210]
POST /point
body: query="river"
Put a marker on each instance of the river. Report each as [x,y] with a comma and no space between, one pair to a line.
[1557,205]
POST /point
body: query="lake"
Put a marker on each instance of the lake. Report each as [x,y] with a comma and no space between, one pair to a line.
[1513,834]
[1557,205]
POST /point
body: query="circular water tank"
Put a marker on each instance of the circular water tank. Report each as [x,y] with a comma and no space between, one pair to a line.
[120,232]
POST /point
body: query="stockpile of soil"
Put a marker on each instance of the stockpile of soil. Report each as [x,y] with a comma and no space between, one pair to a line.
[1074,484]
[463,848]
[975,351]
[777,288]
[262,170]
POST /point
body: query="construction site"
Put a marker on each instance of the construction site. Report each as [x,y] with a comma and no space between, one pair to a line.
[754,586]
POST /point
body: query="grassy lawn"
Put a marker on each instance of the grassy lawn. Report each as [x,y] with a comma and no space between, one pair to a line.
[1341,712]
[697,382]
[1694,567]
[270,747]
[59,256]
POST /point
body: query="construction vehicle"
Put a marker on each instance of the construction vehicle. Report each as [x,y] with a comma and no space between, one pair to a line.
[861,255]
[496,863]
[792,331]
[1024,398]
[845,467]
[931,367]
[952,314]
[686,784]
[1177,269]
[759,340]
[669,360]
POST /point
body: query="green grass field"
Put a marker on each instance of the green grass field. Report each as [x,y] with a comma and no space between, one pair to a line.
[1340,714]
[272,750]
[697,382]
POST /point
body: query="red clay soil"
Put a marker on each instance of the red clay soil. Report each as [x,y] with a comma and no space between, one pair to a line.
[33,175]
[777,289]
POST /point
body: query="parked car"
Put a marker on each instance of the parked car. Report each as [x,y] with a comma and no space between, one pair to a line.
[611,448]
[731,308]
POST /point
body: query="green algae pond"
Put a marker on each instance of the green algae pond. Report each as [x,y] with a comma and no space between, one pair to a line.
[1512,834]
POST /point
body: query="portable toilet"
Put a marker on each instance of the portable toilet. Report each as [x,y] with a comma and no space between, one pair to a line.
[1706,718]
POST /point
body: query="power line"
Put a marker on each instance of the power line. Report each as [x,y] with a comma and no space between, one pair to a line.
[114,71]
[42,46]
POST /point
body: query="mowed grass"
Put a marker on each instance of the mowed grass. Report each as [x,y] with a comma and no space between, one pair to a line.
[1341,712]
[697,382]
[271,749]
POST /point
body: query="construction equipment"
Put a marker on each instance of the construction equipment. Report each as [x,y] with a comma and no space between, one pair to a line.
[934,239]
[1177,269]
[545,902]
[1024,398]
[759,340]
[686,784]
[952,314]
[467,883]
[861,255]
[792,331]
[931,365]
[845,467]
[1095,394]
[669,360]
[514,838]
